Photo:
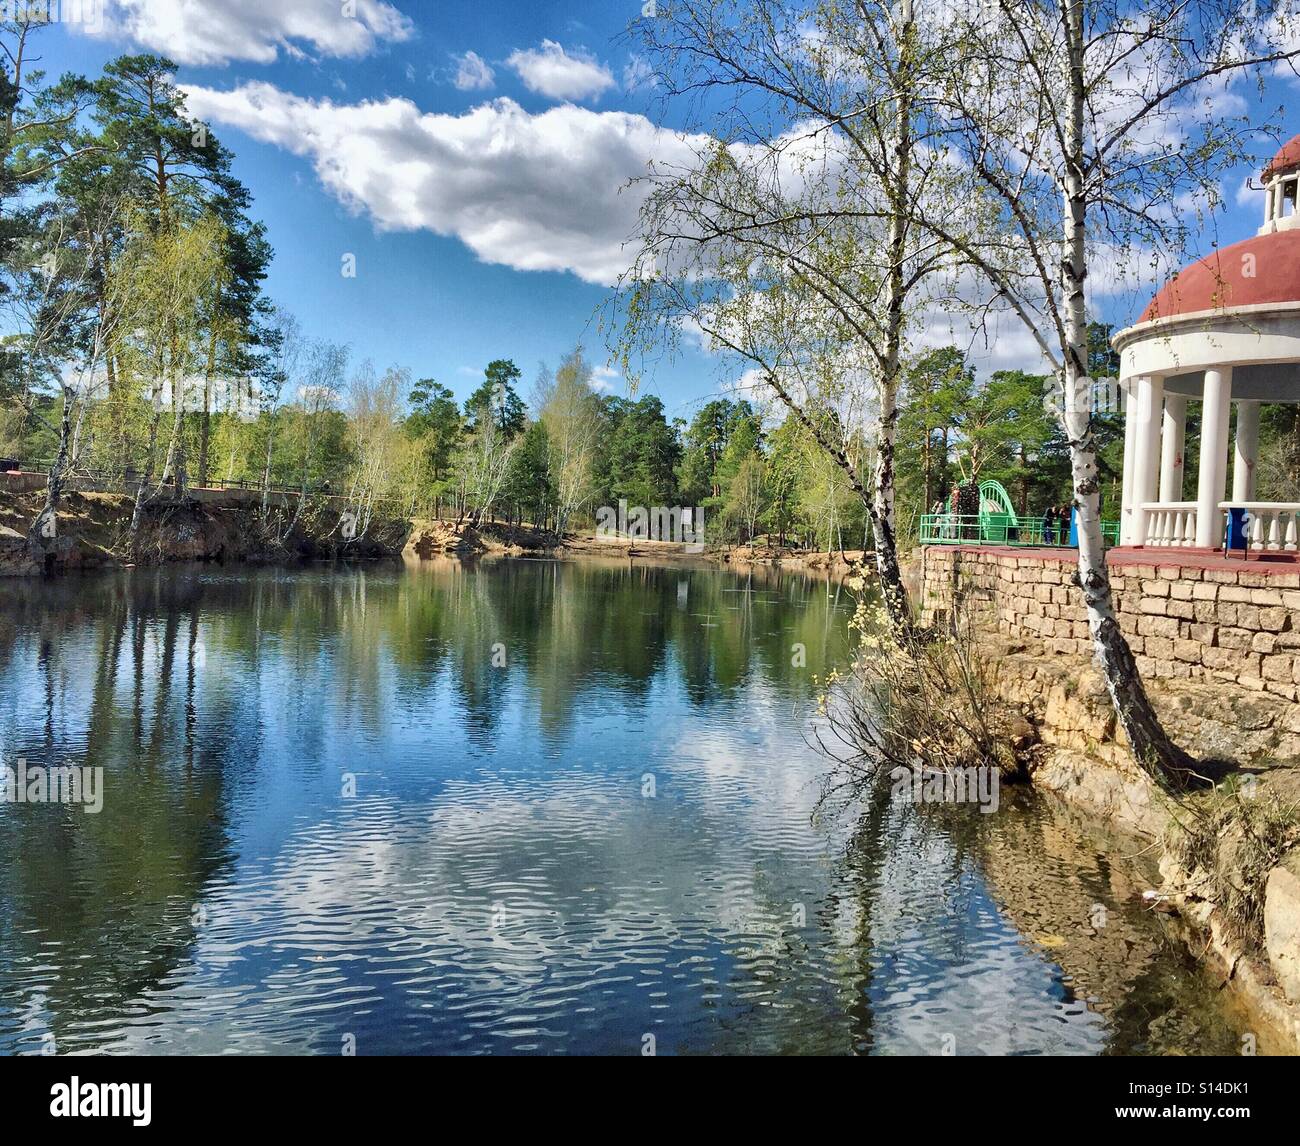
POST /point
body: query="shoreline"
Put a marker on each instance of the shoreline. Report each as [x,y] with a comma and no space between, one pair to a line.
[449,539]
[93,530]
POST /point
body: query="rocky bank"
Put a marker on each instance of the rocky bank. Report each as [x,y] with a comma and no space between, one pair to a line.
[94,533]
[1249,742]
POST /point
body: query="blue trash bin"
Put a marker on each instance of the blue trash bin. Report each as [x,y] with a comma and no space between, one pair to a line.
[1236,533]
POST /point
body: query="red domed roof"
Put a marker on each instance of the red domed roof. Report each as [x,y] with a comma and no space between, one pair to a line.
[1288,159]
[1261,270]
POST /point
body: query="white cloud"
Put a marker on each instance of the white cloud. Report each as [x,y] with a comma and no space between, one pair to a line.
[532,192]
[557,74]
[1000,342]
[605,379]
[473,73]
[218,31]
[638,74]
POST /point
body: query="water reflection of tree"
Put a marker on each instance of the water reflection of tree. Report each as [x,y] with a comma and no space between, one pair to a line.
[169,679]
[574,634]
[866,855]
[97,909]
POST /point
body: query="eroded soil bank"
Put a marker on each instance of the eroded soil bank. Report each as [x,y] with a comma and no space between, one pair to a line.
[94,533]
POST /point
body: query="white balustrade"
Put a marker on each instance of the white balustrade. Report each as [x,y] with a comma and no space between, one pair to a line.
[1272,525]
[1170,523]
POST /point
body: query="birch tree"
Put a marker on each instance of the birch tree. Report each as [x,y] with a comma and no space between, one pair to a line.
[1087,128]
[374,419]
[748,494]
[285,346]
[484,464]
[789,240]
[323,367]
[51,295]
[168,272]
[569,409]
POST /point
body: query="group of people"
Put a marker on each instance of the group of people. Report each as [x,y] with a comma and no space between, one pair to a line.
[1056,525]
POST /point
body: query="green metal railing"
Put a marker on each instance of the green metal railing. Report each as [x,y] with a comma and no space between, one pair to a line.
[997,529]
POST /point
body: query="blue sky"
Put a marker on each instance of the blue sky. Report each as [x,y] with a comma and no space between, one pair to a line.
[469,155]
[420,299]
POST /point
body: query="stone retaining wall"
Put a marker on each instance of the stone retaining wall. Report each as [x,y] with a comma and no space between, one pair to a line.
[1195,624]
[1210,619]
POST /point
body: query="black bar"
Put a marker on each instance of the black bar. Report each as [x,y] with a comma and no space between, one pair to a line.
[338,1094]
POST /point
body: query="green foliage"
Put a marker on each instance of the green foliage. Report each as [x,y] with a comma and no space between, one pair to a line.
[642,453]
[435,425]
[934,389]
[703,474]
[1278,473]
[528,482]
[496,396]
[956,428]
[747,495]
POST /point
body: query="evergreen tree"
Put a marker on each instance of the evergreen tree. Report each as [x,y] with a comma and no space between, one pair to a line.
[496,397]
[528,491]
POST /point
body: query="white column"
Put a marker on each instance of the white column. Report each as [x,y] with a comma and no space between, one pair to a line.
[1150,400]
[1246,452]
[1173,440]
[1126,488]
[1215,408]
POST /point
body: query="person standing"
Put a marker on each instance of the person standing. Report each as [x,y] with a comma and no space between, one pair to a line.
[1049,525]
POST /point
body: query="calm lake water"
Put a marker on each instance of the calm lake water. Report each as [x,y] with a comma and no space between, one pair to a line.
[523,806]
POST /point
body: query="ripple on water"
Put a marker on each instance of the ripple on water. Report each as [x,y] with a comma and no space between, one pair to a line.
[611,837]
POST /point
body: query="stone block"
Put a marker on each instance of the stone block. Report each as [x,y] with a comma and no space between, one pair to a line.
[1274,620]
[1278,667]
[1266,596]
[1227,660]
[1158,627]
[1237,639]
[1264,643]
[1161,648]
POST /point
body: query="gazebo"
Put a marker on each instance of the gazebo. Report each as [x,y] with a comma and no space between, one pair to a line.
[1224,330]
